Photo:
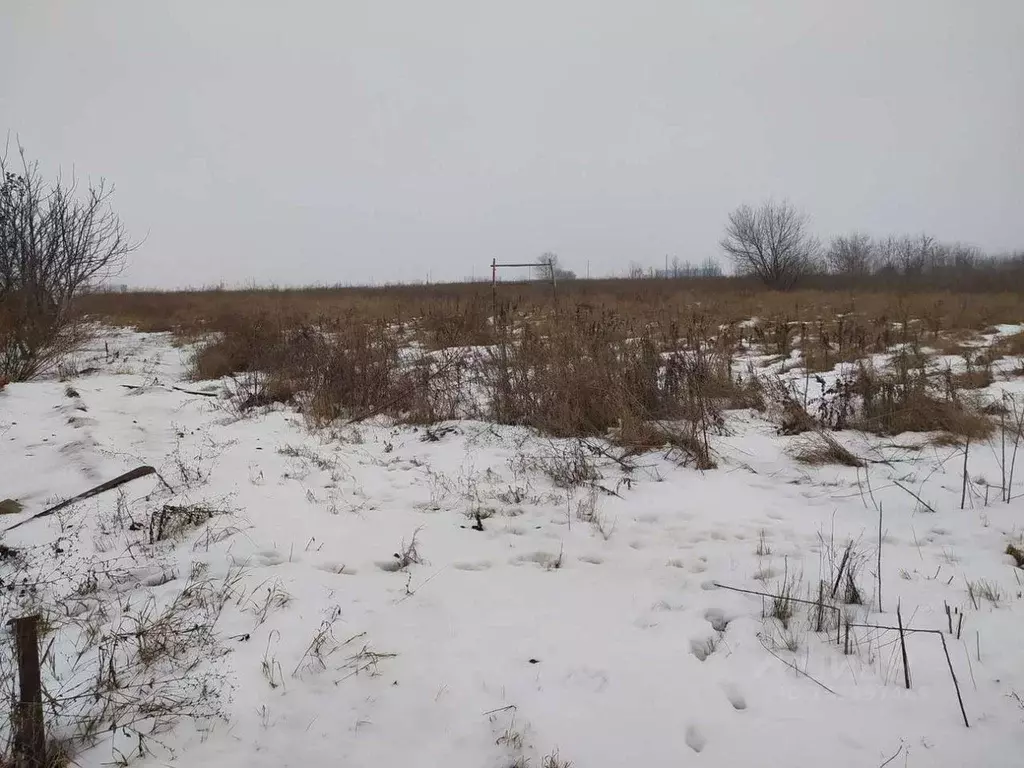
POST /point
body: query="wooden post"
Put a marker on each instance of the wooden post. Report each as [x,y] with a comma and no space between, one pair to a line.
[29,735]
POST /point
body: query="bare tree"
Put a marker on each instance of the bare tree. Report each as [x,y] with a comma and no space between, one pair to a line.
[548,267]
[55,242]
[772,242]
[852,254]
[905,254]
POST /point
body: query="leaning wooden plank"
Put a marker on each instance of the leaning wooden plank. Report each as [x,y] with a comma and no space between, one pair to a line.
[109,485]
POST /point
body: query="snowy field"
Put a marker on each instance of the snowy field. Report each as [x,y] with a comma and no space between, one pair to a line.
[379,595]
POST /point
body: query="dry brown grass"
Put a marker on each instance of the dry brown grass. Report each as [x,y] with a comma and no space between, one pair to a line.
[870,312]
[819,448]
[623,355]
[891,408]
[977,378]
[1016,553]
[1012,346]
[591,372]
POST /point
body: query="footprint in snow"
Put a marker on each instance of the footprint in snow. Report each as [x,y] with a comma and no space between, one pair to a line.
[695,738]
[737,699]
[268,557]
[546,559]
[718,619]
[703,647]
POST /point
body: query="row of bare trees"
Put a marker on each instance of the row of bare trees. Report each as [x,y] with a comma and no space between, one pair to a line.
[860,254]
[56,240]
[774,243]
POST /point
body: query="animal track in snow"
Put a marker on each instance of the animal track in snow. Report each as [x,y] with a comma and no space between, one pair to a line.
[703,647]
[695,738]
[545,559]
[718,619]
[732,693]
[269,557]
[592,559]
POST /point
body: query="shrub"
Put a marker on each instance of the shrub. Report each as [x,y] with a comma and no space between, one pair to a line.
[54,244]
[905,401]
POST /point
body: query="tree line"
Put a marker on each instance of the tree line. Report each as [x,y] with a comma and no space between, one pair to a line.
[774,243]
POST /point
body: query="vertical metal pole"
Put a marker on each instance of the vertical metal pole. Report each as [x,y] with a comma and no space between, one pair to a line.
[494,292]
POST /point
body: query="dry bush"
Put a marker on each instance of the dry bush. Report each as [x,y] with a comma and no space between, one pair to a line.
[243,343]
[589,373]
[458,323]
[685,440]
[56,240]
[905,400]
[256,389]
[787,411]
[171,521]
[568,465]
[1012,346]
[360,370]
[1017,553]
[977,378]
[819,448]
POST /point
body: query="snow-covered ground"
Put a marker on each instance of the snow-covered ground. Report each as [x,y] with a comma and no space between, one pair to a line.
[590,625]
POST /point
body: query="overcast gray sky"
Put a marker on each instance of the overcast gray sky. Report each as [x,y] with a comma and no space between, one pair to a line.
[341,141]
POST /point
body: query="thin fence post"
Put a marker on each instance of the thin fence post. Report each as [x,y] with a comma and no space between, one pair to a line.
[29,735]
[903,646]
[494,293]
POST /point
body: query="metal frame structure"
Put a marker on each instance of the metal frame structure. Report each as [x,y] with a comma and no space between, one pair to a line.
[532,265]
